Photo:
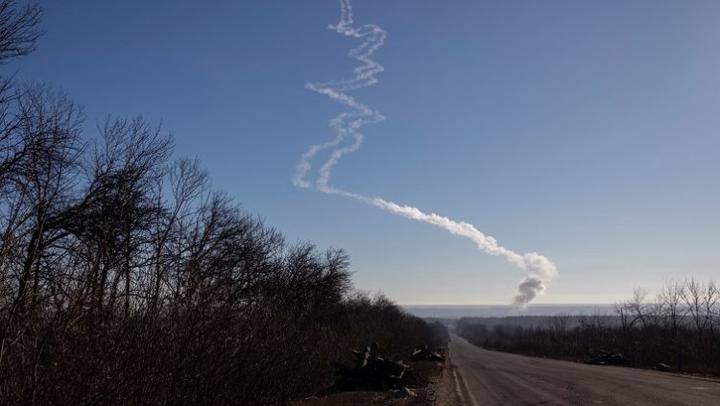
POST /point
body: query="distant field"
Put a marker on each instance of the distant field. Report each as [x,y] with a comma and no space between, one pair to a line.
[456,312]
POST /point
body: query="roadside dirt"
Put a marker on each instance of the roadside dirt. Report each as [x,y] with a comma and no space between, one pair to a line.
[447,388]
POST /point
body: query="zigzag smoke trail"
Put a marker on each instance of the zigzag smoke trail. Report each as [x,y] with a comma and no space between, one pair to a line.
[348,139]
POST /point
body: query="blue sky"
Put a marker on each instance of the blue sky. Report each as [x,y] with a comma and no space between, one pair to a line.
[586,131]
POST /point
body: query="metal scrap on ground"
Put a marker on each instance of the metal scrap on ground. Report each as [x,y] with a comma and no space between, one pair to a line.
[369,372]
[425,354]
[608,358]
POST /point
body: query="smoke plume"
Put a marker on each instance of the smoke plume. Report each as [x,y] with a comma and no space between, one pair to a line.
[348,138]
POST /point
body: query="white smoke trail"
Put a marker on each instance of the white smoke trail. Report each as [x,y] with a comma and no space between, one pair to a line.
[539,269]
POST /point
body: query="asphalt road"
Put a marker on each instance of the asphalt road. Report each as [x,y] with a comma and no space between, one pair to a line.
[496,378]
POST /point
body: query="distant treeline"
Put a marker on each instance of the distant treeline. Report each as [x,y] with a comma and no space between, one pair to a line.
[125,279]
[571,321]
[680,327]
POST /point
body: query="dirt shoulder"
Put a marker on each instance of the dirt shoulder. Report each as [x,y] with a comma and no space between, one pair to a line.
[447,389]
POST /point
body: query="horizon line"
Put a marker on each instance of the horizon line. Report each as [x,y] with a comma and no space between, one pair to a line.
[509,304]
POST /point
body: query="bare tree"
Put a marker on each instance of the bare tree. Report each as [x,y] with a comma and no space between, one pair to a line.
[19,29]
[638,306]
[621,309]
[19,32]
[672,296]
[697,299]
[37,189]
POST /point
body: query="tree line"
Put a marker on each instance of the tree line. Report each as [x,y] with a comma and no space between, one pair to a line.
[126,279]
[679,327]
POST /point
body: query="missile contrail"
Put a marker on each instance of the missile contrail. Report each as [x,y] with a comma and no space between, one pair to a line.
[348,138]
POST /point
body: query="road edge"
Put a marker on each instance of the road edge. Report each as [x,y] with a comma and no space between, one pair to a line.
[463,393]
